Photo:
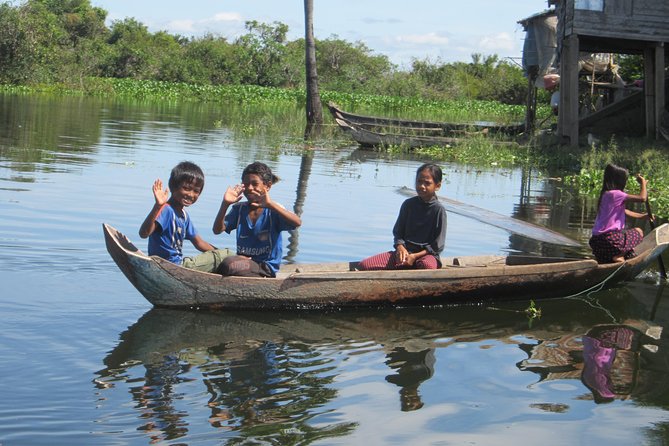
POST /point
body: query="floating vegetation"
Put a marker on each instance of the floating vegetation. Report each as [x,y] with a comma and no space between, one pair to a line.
[408,107]
[637,156]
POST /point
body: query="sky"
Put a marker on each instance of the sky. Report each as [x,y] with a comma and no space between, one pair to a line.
[403,30]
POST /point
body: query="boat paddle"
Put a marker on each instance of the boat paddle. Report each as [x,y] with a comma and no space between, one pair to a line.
[510,224]
[660,262]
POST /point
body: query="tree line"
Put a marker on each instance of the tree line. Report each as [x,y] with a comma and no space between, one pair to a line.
[66,41]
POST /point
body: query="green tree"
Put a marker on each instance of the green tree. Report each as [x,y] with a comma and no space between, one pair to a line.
[485,77]
[166,54]
[261,54]
[77,17]
[35,52]
[17,45]
[211,60]
[343,66]
[631,67]
[131,55]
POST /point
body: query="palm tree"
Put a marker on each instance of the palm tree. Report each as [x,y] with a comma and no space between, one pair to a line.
[314,107]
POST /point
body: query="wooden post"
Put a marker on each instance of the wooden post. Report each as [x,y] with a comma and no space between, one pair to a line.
[568,109]
[659,88]
[531,105]
[649,93]
[653,63]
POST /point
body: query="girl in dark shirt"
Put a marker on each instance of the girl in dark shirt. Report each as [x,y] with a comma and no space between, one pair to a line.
[420,230]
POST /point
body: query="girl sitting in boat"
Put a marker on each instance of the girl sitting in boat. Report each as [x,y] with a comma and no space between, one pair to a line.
[610,241]
[259,222]
[420,230]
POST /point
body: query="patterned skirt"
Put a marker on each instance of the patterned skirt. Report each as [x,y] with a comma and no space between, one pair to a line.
[612,244]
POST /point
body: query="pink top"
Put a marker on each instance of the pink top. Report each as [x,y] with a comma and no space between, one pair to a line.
[611,215]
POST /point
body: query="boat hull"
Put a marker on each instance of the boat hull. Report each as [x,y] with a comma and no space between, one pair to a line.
[462,279]
[425,127]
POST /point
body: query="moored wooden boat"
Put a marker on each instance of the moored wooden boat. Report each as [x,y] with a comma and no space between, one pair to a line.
[462,279]
[369,138]
[426,128]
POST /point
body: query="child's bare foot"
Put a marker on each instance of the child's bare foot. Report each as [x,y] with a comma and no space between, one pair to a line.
[618,259]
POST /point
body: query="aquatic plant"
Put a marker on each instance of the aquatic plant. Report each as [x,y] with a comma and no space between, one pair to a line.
[637,156]
[417,108]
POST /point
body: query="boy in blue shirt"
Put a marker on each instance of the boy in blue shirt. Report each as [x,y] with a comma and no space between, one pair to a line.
[258,221]
[168,224]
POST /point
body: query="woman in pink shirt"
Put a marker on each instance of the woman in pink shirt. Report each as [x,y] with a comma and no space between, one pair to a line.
[610,241]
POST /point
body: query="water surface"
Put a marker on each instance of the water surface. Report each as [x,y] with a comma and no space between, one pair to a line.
[86,360]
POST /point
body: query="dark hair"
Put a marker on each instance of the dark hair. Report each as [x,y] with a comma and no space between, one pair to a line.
[262,170]
[186,172]
[434,170]
[615,178]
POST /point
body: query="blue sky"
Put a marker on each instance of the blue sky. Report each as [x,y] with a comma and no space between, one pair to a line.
[448,30]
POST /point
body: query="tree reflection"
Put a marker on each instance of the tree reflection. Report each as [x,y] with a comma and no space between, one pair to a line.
[549,207]
[300,198]
[275,377]
[266,390]
[48,134]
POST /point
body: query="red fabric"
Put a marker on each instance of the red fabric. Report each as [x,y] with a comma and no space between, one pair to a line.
[387,260]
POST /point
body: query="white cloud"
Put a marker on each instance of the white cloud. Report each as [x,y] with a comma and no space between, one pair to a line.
[423,39]
[498,42]
[227,17]
[230,22]
[181,26]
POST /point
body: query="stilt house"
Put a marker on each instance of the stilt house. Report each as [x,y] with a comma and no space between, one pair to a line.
[587,33]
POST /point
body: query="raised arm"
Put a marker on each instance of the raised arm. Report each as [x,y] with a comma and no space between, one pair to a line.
[287,215]
[232,195]
[643,194]
[161,196]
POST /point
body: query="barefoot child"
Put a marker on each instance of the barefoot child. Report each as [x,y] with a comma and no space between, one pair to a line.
[420,230]
[610,241]
[168,224]
[259,222]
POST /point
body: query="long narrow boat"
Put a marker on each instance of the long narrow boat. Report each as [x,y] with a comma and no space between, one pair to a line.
[369,138]
[427,128]
[461,279]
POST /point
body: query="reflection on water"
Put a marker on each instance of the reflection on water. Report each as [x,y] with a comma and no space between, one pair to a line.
[412,369]
[407,376]
[276,377]
[613,361]
[58,134]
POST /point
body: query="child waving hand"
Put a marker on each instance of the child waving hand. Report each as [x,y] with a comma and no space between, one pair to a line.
[259,222]
[168,224]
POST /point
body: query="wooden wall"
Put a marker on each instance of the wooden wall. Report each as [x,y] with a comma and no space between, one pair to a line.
[616,26]
[621,19]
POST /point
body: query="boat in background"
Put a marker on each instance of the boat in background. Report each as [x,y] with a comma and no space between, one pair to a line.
[369,138]
[464,279]
[426,128]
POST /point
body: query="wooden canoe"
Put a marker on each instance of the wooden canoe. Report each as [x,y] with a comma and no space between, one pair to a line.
[461,279]
[426,128]
[369,138]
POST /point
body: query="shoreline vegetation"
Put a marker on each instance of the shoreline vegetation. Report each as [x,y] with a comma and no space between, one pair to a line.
[580,168]
[67,48]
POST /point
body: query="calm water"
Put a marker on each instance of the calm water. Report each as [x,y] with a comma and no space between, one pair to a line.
[86,360]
